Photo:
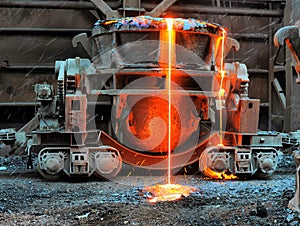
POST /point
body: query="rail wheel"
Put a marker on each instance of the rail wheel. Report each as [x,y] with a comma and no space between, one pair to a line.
[206,170]
[107,162]
[46,175]
[266,163]
[51,165]
[215,164]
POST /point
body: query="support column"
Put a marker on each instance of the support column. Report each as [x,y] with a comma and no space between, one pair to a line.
[292,111]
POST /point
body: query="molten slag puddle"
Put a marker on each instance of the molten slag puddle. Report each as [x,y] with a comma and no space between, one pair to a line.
[168,192]
[225,176]
[222,176]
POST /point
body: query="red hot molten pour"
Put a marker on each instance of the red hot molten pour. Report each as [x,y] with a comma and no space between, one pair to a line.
[169,191]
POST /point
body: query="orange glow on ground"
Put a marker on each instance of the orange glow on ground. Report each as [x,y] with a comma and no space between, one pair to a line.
[168,192]
[222,176]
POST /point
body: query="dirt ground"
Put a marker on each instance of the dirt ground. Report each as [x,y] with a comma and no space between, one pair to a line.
[28,199]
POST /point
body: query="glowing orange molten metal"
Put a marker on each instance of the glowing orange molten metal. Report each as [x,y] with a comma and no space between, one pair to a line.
[168,192]
[169,79]
[221,93]
[222,176]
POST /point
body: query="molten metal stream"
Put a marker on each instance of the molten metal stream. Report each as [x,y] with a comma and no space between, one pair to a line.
[221,93]
[169,80]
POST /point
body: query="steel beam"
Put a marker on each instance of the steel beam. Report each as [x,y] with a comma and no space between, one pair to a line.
[18,104]
[105,9]
[160,8]
[271,82]
[280,93]
[51,67]
[190,8]
[291,113]
[259,1]
[30,104]
[256,36]
[48,4]
[43,31]
[257,71]
[27,67]
[84,5]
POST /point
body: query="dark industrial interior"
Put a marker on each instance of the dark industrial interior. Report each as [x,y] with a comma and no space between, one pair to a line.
[50,26]
[101,99]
